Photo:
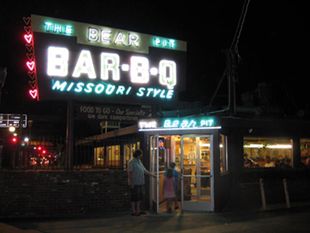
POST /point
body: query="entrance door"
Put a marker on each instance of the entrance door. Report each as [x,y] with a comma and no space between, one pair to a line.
[154,168]
[163,151]
[196,175]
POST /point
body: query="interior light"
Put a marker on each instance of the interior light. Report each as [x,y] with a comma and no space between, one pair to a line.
[274,146]
[279,146]
[254,146]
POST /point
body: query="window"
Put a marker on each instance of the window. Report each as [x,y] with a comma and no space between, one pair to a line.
[113,156]
[99,156]
[305,151]
[223,154]
[128,151]
[267,152]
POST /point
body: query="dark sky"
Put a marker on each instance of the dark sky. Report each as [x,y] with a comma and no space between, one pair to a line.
[273,45]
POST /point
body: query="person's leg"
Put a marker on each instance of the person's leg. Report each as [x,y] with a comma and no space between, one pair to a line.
[134,199]
[138,210]
[139,198]
[169,209]
[167,204]
[176,203]
[133,208]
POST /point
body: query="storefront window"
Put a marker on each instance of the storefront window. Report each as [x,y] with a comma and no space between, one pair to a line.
[305,151]
[176,150]
[223,154]
[99,156]
[267,152]
[113,156]
[128,151]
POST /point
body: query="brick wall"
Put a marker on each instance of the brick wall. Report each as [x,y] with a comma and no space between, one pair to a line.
[62,193]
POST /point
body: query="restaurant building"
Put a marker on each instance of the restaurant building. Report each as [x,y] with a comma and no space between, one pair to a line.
[224,162]
[115,84]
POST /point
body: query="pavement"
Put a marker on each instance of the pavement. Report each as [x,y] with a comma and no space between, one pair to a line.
[295,219]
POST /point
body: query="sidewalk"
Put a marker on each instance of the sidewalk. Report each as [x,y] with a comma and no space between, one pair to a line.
[290,220]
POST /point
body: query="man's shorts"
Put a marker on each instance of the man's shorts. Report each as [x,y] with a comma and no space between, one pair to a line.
[136,193]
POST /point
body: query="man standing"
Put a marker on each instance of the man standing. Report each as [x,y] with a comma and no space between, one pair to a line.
[136,181]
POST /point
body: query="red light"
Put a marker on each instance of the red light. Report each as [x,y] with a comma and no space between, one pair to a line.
[44,151]
[31,65]
[28,38]
[33,93]
[39,148]
[14,140]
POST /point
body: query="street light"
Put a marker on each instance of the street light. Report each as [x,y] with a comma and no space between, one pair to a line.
[12,129]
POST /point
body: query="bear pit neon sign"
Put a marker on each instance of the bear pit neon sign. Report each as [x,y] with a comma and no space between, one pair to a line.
[83,61]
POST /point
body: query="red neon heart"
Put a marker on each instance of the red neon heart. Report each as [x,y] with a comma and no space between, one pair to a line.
[33,93]
[28,38]
[30,65]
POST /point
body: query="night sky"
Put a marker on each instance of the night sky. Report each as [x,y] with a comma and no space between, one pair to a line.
[273,45]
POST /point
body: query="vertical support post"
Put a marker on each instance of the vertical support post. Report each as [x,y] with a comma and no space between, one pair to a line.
[182,174]
[69,136]
[262,193]
[287,197]
[296,152]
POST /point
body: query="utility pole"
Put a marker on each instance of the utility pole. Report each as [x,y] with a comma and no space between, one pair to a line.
[3,74]
[233,58]
[232,61]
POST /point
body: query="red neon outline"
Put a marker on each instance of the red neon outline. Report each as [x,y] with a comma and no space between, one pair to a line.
[28,38]
[33,93]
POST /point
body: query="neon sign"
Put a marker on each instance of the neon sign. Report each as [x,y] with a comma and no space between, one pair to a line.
[28,38]
[108,36]
[164,43]
[58,28]
[103,36]
[188,123]
[75,63]
[58,63]
[185,123]
[30,63]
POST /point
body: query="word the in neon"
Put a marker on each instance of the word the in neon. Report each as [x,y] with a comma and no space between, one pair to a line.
[57,28]
[108,36]
[139,67]
[147,124]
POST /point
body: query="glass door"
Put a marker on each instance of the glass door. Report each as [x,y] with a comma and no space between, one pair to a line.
[164,150]
[154,168]
[196,173]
